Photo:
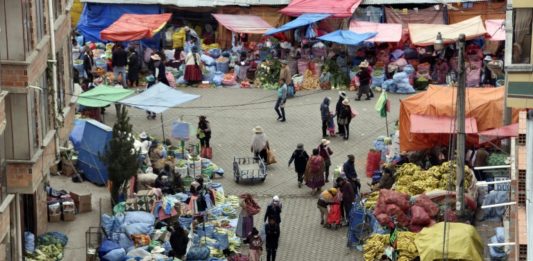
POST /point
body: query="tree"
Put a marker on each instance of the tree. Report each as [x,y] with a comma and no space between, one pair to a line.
[120,156]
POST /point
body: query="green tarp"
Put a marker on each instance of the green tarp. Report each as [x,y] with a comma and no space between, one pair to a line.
[103,95]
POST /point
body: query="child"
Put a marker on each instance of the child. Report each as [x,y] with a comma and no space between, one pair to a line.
[256,245]
[331,125]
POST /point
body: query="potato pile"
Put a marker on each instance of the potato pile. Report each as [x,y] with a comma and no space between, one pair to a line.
[413,180]
[405,245]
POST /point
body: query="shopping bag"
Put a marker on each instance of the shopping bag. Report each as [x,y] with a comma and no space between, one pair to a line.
[271,158]
[354,113]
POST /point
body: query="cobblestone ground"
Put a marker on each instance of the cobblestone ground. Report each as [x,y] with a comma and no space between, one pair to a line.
[233,113]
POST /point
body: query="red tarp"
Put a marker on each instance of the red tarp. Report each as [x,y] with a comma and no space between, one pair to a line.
[131,27]
[439,125]
[502,132]
[337,8]
[249,24]
[386,32]
[495,29]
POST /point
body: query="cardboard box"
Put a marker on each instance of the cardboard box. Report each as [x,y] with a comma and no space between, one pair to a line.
[69,216]
[54,218]
[82,201]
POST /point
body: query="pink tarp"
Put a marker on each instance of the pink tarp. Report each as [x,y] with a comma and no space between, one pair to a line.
[498,133]
[386,32]
[337,8]
[249,24]
[131,27]
[436,125]
[495,29]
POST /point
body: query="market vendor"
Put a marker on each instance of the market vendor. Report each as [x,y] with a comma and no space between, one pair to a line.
[192,37]
[178,240]
[386,181]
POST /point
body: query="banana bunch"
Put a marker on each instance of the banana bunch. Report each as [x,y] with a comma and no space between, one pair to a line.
[407,169]
[372,200]
[405,245]
[375,246]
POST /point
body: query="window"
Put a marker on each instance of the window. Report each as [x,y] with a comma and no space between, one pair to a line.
[40,19]
[522,26]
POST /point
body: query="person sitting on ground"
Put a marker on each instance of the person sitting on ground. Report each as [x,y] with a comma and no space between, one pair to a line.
[386,181]
[178,240]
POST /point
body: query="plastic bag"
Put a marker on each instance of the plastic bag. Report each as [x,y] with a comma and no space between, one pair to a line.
[419,216]
[115,255]
[207,60]
[106,247]
[29,242]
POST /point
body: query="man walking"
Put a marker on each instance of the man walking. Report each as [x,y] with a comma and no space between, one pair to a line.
[282,98]
[351,175]
[338,108]
[119,61]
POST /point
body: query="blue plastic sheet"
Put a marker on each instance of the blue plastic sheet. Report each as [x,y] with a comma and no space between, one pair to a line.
[302,20]
[346,37]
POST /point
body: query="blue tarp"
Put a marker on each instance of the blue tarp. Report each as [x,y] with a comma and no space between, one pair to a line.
[346,37]
[159,98]
[302,20]
[97,17]
[90,139]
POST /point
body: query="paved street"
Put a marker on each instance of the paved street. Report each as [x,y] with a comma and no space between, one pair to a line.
[233,113]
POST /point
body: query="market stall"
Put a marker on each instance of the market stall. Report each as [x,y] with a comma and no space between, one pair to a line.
[131,27]
[337,9]
[426,34]
[94,100]
[385,32]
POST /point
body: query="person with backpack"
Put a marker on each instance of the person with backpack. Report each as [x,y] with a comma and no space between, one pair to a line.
[272,233]
[325,151]
[300,158]
[249,208]
[280,102]
[256,245]
[314,172]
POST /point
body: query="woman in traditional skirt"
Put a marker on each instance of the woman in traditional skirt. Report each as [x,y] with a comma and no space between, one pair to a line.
[314,172]
[193,71]
[246,221]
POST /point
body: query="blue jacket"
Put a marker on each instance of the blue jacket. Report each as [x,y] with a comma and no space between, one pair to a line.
[324,109]
[349,170]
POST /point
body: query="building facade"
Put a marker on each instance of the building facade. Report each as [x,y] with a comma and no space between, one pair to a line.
[35,37]
[519,82]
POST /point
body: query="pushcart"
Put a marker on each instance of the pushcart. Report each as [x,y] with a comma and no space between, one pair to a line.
[250,169]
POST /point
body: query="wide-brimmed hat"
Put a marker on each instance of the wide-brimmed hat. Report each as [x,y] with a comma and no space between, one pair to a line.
[345,102]
[324,142]
[257,129]
[155,57]
[342,94]
[363,64]
[143,135]
[332,191]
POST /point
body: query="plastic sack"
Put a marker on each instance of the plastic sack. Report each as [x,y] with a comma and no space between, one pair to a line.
[185,222]
[139,217]
[377,81]
[409,69]
[198,253]
[123,240]
[108,223]
[419,216]
[222,238]
[372,162]
[205,230]
[389,86]
[395,198]
[106,247]
[215,53]
[138,228]
[207,60]
[29,242]
[222,66]
[425,202]
[115,255]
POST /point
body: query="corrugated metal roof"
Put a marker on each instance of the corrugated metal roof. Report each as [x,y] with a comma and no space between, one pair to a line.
[397,2]
[193,3]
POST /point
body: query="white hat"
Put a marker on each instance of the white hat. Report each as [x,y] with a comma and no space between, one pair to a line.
[156,57]
[158,250]
[324,142]
[143,135]
[342,94]
[345,102]
[488,58]
[275,198]
[363,64]
[257,129]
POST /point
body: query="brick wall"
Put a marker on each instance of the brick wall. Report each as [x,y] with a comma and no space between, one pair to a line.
[41,209]
[14,75]
[2,111]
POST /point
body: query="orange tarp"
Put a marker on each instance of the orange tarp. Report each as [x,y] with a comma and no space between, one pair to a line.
[486,9]
[485,105]
[131,27]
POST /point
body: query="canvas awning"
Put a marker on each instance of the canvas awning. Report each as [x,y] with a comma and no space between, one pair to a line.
[495,29]
[103,95]
[336,8]
[385,32]
[132,27]
[439,125]
[346,37]
[498,133]
[302,20]
[426,34]
[249,24]
[159,98]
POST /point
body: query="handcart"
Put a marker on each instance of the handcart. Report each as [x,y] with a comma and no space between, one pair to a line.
[249,169]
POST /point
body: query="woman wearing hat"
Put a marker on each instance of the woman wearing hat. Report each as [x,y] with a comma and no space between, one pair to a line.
[314,172]
[326,198]
[325,152]
[345,117]
[338,107]
[300,158]
[157,68]
[260,143]
[193,71]
[364,81]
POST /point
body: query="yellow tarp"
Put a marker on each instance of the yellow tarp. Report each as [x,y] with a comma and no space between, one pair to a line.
[75,13]
[463,242]
[426,34]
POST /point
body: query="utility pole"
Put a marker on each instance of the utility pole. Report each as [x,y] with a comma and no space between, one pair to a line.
[460,119]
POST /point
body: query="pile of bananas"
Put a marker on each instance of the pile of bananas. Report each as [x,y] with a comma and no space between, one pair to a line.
[405,245]
[413,180]
[372,200]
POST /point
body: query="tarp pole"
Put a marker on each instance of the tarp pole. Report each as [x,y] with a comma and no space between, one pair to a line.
[163,127]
